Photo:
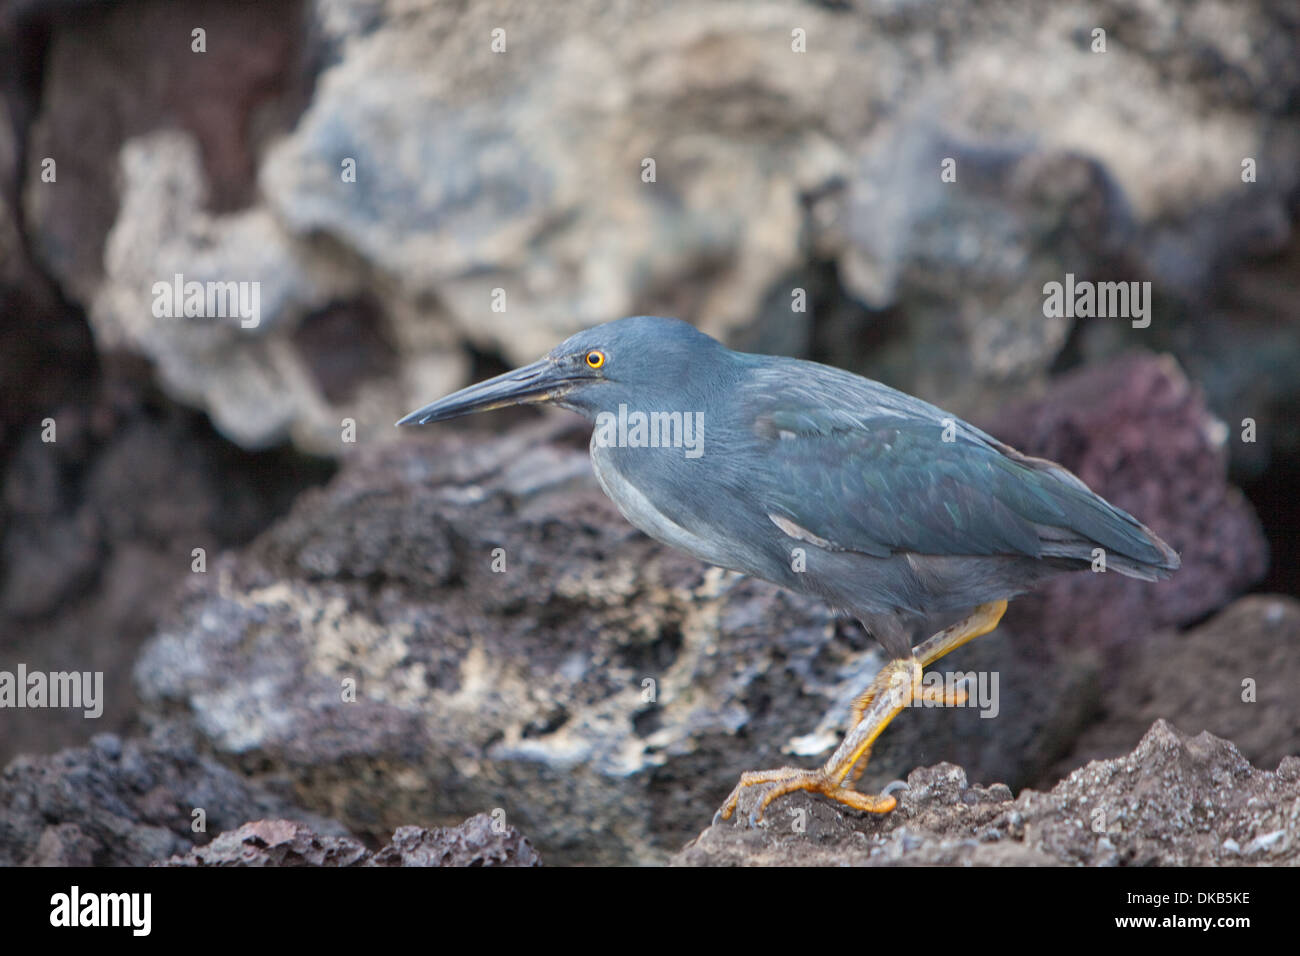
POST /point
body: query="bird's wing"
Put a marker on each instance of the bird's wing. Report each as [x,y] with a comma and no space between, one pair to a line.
[889,484]
[904,476]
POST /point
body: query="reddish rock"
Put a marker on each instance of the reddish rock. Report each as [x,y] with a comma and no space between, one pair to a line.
[1139,433]
[482,840]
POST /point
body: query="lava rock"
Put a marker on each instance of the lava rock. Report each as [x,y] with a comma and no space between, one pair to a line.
[1234,676]
[126,803]
[1138,433]
[274,843]
[602,689]
[479,841]
[482,840]
[1176,800]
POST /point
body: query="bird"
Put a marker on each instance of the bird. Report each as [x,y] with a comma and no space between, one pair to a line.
[829,484]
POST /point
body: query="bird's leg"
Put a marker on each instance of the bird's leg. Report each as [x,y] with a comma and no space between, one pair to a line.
[947,698]
[978,623]
[860,708]
[894,688]
[895,684]
[954,698]
[981,621]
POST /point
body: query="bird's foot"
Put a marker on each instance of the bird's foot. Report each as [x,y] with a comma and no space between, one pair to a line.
[896,686]
[777,783]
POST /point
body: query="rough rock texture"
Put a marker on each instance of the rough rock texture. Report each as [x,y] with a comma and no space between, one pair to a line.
[1176,800]
[274,843]
[125,803]
[603,690]
[789,139]
[476,842]
[1235,676]
[1138,432]
[480,841]
[249,385]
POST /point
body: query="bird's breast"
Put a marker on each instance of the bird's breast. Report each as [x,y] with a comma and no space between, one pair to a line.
[620,478]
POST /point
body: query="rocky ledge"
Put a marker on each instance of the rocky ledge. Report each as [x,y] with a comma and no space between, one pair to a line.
[1176,800]
[482,840]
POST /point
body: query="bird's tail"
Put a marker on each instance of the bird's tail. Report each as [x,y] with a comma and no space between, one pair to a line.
[1073,550]
[1092,522]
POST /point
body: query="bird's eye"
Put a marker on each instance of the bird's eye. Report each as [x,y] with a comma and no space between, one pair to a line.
[595,358]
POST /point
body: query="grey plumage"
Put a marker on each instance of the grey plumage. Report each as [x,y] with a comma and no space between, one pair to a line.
[903,513]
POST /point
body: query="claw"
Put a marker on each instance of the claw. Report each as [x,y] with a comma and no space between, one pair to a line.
[894,785]
[893,689]
[788,780]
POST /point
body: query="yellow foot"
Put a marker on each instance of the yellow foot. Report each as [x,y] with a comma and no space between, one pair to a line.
[892,690]
[777,783]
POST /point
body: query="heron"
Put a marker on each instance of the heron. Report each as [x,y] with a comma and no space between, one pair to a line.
[832,485]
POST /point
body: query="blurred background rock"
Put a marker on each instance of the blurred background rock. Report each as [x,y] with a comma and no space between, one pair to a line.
[775,171]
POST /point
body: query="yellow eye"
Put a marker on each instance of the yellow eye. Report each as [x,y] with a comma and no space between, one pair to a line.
[595,358]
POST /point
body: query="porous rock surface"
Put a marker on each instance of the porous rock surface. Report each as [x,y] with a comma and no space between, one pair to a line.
[479,841]
[1176,800]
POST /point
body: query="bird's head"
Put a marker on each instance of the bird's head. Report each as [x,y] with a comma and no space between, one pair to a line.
[637,361]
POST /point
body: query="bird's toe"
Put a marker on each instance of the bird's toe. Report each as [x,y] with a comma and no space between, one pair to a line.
[893,786]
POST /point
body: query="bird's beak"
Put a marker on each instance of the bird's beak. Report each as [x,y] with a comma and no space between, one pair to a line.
[540,382]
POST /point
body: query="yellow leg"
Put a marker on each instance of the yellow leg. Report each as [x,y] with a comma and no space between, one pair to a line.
[953,698]
[980,622]
[895,687]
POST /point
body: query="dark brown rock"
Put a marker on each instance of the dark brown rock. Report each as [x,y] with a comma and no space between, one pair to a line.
[274,843]
[125,803]
[479,841]
[1176,800]
[1234,676]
